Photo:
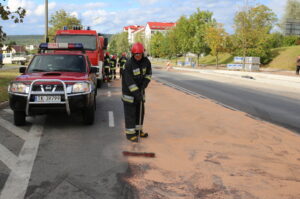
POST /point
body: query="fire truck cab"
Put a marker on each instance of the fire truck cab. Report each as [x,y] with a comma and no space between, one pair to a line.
[94,45]
[59,78]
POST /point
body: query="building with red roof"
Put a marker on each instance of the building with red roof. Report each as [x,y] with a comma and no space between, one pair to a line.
[148,30]
[153,27]
[132,31]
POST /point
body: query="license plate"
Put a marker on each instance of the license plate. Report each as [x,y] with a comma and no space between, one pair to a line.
[47,98]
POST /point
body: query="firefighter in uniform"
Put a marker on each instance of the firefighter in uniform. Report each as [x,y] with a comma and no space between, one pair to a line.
[136,77]
[113,65]
[121,63]
[107,66]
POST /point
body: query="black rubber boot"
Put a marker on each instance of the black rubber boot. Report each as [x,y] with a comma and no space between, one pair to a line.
[132,137]
[142,134]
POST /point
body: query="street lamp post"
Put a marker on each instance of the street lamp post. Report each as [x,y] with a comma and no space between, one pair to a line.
[46,21]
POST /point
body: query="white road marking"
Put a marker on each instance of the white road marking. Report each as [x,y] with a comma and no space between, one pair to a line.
[111,122]
[13,129]
[8,111]
[8,157]
[109,93]
[17,182]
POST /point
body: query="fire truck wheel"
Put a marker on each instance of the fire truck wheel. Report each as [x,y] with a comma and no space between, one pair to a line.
[99,83]
[19,118]
[89,115]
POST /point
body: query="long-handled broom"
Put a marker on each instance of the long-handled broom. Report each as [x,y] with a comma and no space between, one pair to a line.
[140,154]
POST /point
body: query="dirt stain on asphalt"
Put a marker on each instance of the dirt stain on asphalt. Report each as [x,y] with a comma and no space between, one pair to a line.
[204,150]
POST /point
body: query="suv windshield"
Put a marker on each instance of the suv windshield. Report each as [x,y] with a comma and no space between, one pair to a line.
[88,41]
[64,63]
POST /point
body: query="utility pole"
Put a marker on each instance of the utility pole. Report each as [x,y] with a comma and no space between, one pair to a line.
[46,21]
[244,32]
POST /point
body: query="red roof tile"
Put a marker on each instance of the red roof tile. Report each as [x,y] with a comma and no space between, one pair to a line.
[135,27]
[161,25]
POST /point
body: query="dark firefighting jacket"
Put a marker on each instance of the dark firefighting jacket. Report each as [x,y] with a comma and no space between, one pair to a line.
[136,77]
[113,63]
[122,62]
[106,62]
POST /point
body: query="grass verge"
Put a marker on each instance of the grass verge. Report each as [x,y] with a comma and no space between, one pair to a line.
[285,58]
[5,78]
[224,58]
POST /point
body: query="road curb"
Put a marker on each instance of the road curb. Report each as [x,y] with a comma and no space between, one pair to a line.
[3,104]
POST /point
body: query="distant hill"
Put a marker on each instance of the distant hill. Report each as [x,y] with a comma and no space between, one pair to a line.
[32,39]
[25,39]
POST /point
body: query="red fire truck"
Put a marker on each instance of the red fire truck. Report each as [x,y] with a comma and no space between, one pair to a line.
[94,46]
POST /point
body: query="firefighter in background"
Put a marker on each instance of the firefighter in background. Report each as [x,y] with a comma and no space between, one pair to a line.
[113,67]
[106,67]
[136,77]
[121,63]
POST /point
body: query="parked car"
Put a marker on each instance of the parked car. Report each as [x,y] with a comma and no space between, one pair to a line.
[59,78]
[10,58]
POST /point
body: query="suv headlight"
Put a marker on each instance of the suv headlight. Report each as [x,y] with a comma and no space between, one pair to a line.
[17,87]
[81,87]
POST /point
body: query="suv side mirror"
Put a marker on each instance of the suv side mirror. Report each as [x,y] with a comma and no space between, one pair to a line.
[94,70]
[22,69]
[105,43]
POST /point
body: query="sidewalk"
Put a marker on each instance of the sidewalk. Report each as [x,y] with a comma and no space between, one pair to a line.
[204,150]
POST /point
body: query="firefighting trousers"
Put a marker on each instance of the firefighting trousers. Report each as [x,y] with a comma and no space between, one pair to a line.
[121,71]
[132,116]
[106,72]
[113,73]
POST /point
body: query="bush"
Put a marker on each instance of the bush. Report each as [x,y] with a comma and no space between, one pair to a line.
[290,40]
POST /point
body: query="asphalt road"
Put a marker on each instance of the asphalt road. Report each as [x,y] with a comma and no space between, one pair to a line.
[58,157]
[266,106]
[64,158]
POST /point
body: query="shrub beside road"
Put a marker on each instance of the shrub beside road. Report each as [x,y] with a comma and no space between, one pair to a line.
[5,77]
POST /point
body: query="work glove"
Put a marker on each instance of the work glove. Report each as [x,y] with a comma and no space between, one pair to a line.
[138,97]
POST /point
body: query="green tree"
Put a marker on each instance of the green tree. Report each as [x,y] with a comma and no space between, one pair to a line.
[275,40]
[156,44]
[252,29]
[200,22]
[122,43]
[60,19]
[112,47]
[184,34]
[12,43]
[119,43]
[170,44]
[291,13]
[217,39]
[6,14]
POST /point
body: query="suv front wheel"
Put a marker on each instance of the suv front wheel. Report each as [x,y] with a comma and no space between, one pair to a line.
[88,114]
[19,118]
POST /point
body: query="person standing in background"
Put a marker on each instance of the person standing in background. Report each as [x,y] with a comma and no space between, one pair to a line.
[298,65]
[1,59]
[121,63]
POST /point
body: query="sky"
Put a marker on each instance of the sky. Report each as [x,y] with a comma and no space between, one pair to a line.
[110,16]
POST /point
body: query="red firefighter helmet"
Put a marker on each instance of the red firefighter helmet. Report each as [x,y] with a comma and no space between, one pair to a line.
[107,54]
[114,56]
[137,48]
